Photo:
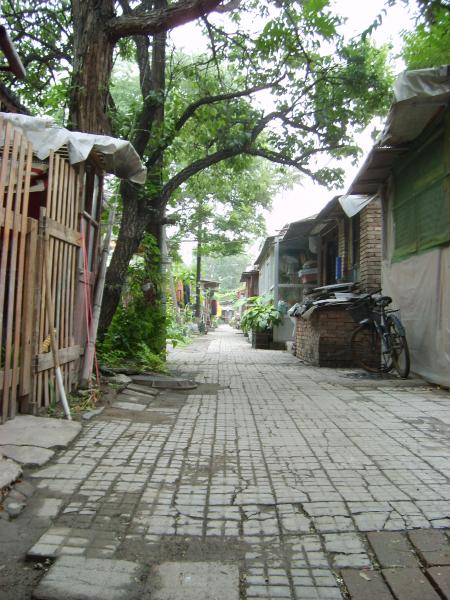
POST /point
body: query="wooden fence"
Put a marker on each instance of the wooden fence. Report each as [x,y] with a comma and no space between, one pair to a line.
[15,171]
[58,226]
[26,376]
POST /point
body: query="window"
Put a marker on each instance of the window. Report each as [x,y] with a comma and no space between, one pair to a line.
[421,208]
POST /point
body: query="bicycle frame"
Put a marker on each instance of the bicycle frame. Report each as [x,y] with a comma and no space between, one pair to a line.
[388,335]
[378,322]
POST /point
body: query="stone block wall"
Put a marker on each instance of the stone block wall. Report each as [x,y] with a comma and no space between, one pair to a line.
[370,245]
[324,340]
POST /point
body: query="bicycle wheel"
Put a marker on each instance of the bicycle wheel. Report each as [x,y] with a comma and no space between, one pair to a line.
[366,350]
[399,346]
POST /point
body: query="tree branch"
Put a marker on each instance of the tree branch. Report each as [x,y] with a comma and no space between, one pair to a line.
[194,106]
[157,21]
[195,167]
[281,159]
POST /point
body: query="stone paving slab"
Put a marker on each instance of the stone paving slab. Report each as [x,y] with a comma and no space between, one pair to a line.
[366,585]
[406,577]
[440,576]
[194,581]
[125,405]
[392,549]
[76,578]
[43,432]
[29,456]
[432,546]
[410,584]
[140,389]
[9,471]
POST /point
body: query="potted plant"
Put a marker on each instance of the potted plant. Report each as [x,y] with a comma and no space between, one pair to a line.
[259,319]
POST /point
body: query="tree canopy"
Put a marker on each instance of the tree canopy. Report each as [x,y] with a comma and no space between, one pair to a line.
[429,44]
[279,82]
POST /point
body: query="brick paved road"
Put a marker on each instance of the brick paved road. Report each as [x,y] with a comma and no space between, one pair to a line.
[273,466]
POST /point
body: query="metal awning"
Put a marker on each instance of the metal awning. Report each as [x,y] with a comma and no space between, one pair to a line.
[209,284]
[420,98]
[247,274]
[267,243]
[375,170]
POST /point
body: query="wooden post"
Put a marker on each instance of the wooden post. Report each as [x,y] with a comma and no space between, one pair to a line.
[53,340]
[90,346]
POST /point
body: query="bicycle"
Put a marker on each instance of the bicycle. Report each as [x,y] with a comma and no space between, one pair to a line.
[379,344]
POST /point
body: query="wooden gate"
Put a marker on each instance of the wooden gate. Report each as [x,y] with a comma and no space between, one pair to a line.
[15,173]
[26,362]
[58,227]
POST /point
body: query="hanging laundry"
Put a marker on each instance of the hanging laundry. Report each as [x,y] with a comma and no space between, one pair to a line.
[180,293]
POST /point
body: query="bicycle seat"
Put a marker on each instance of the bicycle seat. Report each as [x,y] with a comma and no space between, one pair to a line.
[383,300]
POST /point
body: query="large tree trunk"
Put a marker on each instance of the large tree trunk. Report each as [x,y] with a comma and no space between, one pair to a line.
[92,65]
[132,228]
[141,213]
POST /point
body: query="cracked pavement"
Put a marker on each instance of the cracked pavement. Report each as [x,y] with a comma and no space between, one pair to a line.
[270,465]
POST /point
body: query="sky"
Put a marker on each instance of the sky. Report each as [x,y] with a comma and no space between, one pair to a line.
[307,198]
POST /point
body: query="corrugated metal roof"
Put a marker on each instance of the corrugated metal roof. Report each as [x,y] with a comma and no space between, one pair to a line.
[297,228]
[375,170]
[422,96]
[247,274]
[267,243]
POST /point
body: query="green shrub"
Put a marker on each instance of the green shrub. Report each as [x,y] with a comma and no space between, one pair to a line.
[137,334]
[260,316]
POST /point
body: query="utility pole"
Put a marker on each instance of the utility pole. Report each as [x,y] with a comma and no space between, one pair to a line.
[198,274]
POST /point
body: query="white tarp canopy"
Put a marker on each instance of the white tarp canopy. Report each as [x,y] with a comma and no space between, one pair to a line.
[352,204]
[418,96]
[118,156]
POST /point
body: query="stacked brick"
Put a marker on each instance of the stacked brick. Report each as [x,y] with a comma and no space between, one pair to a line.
[324,340]
[370,245]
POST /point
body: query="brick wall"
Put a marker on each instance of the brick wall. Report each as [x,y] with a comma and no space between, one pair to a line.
[324,340]
[343,245]
[370,245]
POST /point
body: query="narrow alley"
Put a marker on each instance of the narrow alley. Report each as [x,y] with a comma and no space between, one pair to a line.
[271,479]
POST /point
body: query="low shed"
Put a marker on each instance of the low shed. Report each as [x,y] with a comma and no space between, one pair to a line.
[51,183]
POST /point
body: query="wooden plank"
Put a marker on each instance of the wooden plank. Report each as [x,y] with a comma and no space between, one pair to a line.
[7,217]
[55,254]
[58,176]
[22,307]
[9,396]
[75,253]
[44,361]
[62,232]
[16,272]
[64,196]
[42,319]
[5,238]
[7,248]
[67,265]
[29,298]
[4,153]
[2,380]
[41,397]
